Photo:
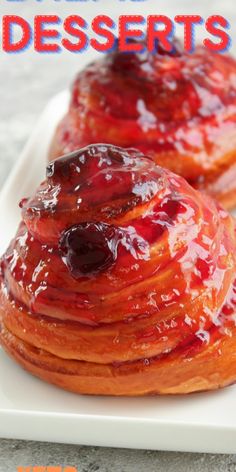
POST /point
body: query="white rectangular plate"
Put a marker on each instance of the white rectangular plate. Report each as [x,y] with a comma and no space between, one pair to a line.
[32,409]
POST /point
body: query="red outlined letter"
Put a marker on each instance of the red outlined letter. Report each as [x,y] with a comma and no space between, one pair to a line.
[8,44]
[98,28]
[126,33]
[215,31]
[161,36]
[189,21]
[41,33]
[70,24]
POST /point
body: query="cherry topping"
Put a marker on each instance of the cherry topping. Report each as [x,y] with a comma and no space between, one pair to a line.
[89,248]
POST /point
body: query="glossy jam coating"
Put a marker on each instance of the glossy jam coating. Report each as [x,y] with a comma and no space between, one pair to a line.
[180,109]
[121,279]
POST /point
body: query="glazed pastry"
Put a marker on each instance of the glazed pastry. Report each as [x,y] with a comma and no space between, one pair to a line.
[178,108]
[121,280]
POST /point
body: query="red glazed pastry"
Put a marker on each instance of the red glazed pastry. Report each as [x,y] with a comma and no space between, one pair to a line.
[121,280]
[178,108]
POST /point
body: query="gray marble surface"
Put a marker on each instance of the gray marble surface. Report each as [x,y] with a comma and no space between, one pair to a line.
[27,82]
[91,459]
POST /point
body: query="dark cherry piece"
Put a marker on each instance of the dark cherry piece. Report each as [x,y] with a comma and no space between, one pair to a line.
[89,248]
